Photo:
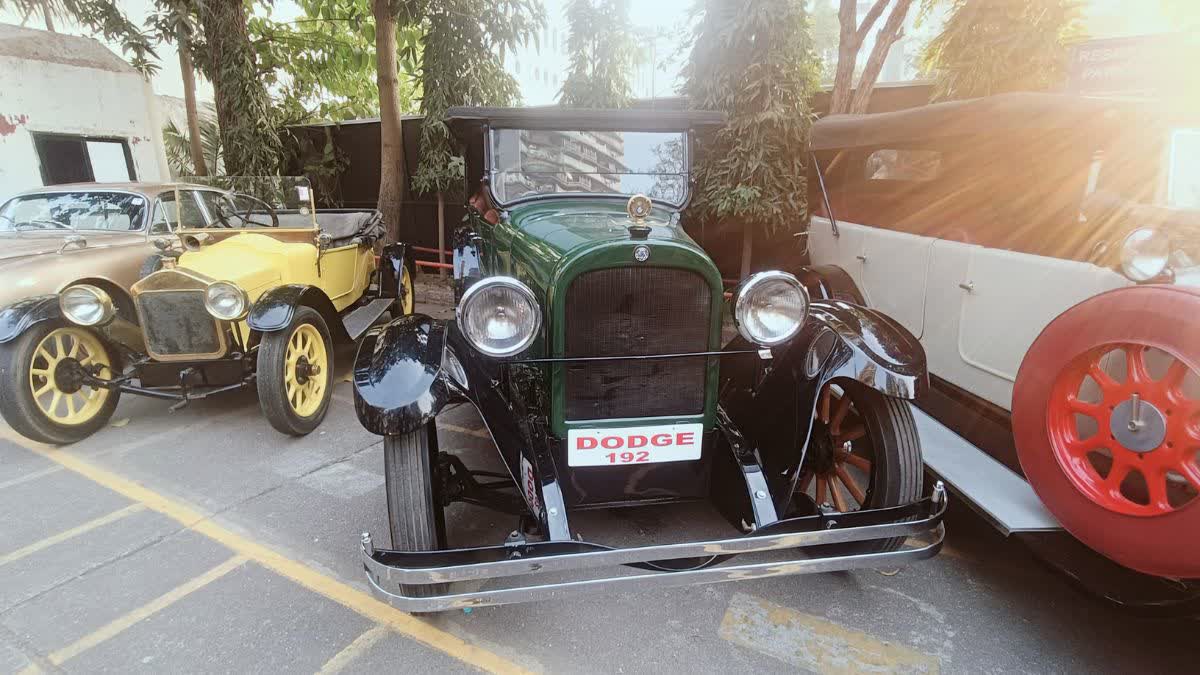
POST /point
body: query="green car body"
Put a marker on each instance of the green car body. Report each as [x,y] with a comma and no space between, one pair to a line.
[547,244]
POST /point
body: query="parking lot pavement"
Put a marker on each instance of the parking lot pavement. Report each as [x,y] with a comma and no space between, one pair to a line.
[204,541]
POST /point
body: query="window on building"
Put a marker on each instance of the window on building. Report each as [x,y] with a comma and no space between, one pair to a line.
[83,159]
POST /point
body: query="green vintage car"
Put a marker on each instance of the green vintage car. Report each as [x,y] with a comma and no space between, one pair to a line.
[588,334]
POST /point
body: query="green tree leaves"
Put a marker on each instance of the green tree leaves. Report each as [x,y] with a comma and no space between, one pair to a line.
[460,65]
[603,51]
[754,61]
[994,46]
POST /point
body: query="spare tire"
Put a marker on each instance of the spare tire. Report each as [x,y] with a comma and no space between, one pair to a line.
[1106,418]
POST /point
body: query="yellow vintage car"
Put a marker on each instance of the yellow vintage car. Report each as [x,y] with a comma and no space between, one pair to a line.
[254,287]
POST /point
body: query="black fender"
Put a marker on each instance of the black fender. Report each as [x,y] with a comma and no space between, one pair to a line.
[840,340]
[830,282]
[392,261]
[398,380]
[407,371]
[274,310]
[19,316]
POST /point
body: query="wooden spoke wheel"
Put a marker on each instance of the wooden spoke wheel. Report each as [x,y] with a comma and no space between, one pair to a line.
[295,373]
[306,370]
[863,453]
[840,473]
[43,394]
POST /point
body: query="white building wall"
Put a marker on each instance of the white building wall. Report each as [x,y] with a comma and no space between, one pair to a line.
[39,96]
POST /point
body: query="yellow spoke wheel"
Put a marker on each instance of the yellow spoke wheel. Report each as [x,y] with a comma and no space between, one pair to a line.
[306,370]
[406,301]
[295,373]
[42,393]
[60,399]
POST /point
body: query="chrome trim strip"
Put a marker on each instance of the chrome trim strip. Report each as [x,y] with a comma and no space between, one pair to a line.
[932,543]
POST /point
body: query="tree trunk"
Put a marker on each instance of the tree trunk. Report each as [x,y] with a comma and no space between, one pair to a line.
[441,232]
[46,15]
[199,166]
[747,246]
[249,142]
[843,79]
[892,31]
[393,174]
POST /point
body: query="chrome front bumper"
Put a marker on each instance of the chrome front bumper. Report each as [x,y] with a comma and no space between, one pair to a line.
[405,579]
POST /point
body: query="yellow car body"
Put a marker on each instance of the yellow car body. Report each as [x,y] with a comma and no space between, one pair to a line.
[249,295]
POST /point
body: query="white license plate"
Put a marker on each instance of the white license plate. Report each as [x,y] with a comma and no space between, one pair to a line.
[634,445]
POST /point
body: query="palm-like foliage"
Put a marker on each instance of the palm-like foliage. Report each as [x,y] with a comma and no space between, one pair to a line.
[994,46]
[178,148]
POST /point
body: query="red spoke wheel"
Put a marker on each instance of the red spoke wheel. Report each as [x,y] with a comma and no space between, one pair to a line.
[1106,416]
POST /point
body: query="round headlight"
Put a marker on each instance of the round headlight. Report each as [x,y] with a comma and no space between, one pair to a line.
[225,301]
[499,316]
[1145,253]
[770,307]
[86,305]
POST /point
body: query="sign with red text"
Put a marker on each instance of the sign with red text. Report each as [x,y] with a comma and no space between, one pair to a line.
[634,445]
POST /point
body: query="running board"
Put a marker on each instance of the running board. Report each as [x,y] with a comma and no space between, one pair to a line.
[358,321]
[995,492]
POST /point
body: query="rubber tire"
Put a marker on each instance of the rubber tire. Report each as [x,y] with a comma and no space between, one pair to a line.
[272,392]
[152,264]
[16,400]
[416,517]
[899,472]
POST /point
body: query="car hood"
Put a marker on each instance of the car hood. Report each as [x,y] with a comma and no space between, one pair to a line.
[252,261]
[18,245]
[549,232]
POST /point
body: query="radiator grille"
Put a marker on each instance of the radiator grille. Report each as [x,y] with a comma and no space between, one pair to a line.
[176,323]
[634,311]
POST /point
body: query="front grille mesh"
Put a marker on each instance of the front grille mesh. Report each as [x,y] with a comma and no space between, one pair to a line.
[636,311]
[176,322]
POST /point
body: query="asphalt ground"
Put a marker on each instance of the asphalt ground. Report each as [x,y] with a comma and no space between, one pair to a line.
[204,541]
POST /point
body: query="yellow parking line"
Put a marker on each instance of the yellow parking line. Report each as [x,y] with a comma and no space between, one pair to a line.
[73,532]
[339,592]
[32,475]
[156,605]
[351,651]
[482,433]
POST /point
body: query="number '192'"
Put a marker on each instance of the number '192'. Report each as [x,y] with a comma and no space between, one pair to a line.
[628,457]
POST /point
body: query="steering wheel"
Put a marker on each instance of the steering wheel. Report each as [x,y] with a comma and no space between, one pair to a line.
[246,214]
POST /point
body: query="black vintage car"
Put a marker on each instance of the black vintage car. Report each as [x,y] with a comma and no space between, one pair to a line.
[588,334]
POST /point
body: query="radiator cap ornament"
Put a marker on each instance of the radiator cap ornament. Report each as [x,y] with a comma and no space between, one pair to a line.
[638,209]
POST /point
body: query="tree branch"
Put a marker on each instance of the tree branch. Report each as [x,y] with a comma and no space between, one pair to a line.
[892,30]
[869,20]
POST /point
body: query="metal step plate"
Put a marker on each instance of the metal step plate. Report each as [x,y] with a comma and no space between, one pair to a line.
[358,321]
[998,494]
